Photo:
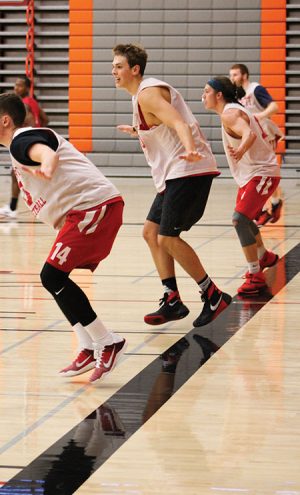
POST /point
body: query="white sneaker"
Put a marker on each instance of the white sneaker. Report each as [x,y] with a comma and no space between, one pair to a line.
[5,211]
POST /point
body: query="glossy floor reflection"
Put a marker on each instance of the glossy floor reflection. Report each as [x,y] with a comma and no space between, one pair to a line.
[65,466]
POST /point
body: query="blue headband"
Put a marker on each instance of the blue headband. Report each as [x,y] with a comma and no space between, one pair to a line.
[215,84]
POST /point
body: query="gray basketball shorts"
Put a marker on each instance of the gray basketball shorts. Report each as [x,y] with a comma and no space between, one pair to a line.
[181,204]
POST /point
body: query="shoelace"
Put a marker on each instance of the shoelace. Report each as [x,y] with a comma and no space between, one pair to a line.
[163,300]
[98,356]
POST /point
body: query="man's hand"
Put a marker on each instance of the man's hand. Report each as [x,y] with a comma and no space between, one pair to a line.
[192,156]
[128,129]
[236,153]
[43,172]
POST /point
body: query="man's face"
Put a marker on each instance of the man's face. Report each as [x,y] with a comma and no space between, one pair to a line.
[122,73]
[21,88]
[236,77]
[209,97]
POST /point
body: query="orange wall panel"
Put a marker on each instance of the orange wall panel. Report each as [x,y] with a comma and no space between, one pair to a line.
[273,4]
[277,41]
[81,106]
[81,132]
[77,94]
[81,29]
[272,15]
[76,54]
[273,56]
[276,80]
[83,145]
[81,74]
[275,28]
[81,16]
[80,5]
[80,42]
[80,119]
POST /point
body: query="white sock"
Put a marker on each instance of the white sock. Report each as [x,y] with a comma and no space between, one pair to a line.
[275,201]
[261,251]
[253,266]
[84,340]
[98,332]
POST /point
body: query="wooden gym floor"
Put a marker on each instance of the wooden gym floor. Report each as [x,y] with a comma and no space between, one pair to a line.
[222,418]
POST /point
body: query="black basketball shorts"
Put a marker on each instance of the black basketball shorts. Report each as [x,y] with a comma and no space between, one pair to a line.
[181,204]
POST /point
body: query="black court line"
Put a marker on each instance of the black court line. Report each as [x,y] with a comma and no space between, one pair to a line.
[70,461]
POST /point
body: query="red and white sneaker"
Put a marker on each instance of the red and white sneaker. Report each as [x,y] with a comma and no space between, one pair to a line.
[253,285]
[264,218]
[85,361]
[276,212]
[268,259]
[107,358]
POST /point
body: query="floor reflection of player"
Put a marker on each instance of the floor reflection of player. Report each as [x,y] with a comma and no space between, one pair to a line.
[164,383]
[89,445]
[207,346]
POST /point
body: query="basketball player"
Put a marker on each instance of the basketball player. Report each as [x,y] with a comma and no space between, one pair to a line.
[65,190]
[35,117]
[259,101]
[183,169]
[253,165]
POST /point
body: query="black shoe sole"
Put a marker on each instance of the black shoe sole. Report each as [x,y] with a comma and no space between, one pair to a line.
[160,319]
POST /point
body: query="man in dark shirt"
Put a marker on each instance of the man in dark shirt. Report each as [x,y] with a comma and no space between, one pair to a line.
[259,101]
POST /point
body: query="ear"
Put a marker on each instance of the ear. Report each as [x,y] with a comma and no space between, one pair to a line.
[5,120]
[136,70]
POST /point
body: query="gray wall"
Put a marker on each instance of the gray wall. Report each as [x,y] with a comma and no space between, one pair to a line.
[188,41]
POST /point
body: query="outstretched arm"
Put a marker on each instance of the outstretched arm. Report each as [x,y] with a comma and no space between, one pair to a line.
[46,157]
[154,104]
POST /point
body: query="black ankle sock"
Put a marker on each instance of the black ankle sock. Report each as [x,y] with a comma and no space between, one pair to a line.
[13,204]
[170,283]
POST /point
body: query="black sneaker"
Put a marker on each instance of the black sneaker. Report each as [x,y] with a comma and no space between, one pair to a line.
[213,306]
[171,357]
[170,308]
[207,346]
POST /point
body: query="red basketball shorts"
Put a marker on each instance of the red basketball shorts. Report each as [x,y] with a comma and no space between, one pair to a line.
[86,237]
[252,197]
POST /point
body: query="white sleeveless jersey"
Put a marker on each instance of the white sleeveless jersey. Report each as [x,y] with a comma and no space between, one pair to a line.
[76,184]
[161,144]
[259,160]
[252,104]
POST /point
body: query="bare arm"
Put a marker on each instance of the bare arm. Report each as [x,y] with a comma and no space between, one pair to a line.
[157,108]
[43,118]
[270,110]
[47,158]
[237,125]
[29,119]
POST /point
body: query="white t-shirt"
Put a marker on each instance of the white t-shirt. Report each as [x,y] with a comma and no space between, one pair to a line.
[252,104]
[76,184]
[162,146]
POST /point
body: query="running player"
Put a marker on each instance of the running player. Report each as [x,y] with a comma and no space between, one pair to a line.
[36,117]
[258,101]
[254,166]
[65,190]
[183,168]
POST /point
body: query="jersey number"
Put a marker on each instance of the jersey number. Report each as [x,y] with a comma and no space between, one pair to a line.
[60,254]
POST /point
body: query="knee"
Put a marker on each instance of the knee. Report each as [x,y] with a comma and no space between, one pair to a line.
[241,224]
[52,279]
[150,233]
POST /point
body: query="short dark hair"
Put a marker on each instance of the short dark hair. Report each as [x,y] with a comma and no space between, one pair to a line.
[26,81]
[135,54]
[12,105]
[231,92]
[242,67]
